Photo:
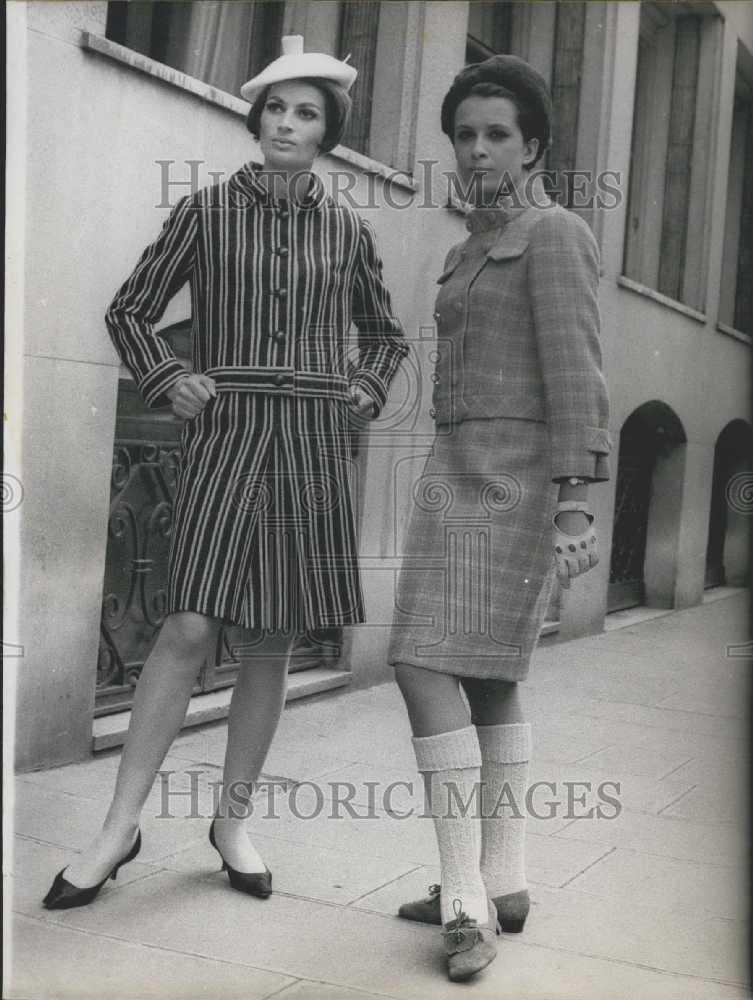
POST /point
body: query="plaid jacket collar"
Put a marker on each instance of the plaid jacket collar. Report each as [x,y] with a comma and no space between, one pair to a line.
[247,183]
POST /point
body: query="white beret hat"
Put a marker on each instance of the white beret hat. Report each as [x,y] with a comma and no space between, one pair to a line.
[295,63]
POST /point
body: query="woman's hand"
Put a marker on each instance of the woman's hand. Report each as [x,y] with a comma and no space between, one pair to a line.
[363,404]
[575,545]
[191,395]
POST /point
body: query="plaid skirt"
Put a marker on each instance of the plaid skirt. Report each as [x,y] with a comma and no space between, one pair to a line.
[264,531]
[478,563]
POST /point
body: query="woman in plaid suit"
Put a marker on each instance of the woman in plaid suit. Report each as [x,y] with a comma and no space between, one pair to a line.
[521,411]
[264,533]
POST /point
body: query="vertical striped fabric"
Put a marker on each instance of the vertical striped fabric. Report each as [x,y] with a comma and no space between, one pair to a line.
[264,530]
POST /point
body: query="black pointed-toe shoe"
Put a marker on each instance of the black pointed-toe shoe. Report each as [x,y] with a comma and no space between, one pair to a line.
[64,895]
[257,884]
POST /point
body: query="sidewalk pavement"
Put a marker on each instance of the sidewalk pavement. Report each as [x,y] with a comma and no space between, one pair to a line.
[651,903]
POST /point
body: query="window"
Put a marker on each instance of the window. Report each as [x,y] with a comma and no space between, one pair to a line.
[736,294]
[226,42]
[221,43]
[551,36]
[489,30]
[665,240]
[359,27]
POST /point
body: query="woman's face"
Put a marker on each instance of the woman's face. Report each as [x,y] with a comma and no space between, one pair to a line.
[292,126]
[489,147]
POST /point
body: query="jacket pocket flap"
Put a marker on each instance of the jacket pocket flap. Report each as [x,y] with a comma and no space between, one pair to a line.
[598,440]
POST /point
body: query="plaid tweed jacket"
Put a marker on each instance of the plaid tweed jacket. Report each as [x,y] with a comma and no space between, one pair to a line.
[518,328]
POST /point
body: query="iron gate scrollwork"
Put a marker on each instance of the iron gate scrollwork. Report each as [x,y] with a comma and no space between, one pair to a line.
[142,489]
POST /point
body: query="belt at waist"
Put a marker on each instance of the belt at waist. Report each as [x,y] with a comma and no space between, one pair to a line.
[279,381]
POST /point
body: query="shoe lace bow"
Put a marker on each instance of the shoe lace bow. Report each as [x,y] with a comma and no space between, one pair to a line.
[462,922]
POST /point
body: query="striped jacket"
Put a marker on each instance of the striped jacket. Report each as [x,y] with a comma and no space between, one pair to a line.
[518,315]
[275,286]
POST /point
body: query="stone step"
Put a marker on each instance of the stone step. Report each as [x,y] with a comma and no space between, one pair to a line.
[110,730]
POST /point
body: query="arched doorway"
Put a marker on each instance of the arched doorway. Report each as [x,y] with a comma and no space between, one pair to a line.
[649,437]
[728,548]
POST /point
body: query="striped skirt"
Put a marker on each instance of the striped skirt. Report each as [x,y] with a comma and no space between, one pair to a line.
[478,562]
[264,532]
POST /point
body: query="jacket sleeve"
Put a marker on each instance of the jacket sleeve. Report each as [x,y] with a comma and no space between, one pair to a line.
[381,344]
[162,270]
[563,276]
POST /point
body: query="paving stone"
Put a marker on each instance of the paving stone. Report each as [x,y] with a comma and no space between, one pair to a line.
[668,884]
[714,770]
[638,761]
[70,821]
[719,844]
[413,885]
[712,804]
[699,945]
[91,779]
[374,953]
[35,865]
[305,815]
[608,733]
[333,876]
[52,961]
[571,781]
[579,923]
[55,817]
[716,746]
[663,718]
[565,746]
[725,700]
[547,864]
[307,990]
[646,904]
[618,683]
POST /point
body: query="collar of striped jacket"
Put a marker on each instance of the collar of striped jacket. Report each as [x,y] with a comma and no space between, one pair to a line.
[247,182]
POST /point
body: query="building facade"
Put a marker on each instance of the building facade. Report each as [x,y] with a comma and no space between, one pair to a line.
[116,110]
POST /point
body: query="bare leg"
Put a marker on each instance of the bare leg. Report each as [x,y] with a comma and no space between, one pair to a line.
[159,708]
[493,703]
[433,700]
[258,700]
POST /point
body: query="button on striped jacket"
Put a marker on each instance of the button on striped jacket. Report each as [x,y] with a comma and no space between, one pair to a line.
[264,527]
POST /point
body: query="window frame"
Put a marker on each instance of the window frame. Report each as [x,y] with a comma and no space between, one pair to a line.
[651,187]
[738,190]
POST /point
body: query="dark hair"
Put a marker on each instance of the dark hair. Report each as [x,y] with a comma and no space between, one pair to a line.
[337,105]
[510,77]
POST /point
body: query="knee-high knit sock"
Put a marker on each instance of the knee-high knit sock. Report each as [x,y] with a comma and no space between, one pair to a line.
[505,756]
[450,764]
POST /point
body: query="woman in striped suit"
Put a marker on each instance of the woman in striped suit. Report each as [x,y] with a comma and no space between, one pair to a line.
[264,532]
